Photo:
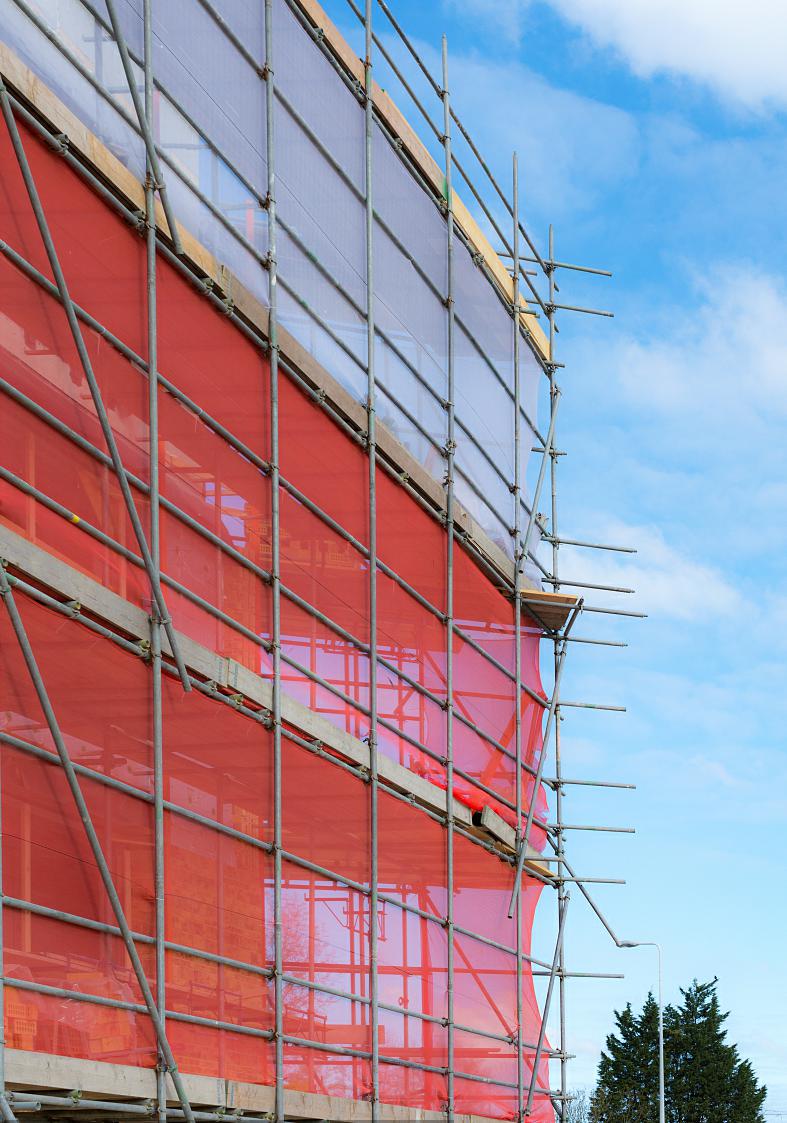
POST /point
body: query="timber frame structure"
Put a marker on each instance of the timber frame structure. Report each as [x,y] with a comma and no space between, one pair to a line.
[59,1086]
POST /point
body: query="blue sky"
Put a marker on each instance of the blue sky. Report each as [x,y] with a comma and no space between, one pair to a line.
[653,133]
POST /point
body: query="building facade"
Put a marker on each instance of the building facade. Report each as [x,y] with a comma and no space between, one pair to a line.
[274,802]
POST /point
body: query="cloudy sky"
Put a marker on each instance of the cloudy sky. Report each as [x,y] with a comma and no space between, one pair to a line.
[653,133]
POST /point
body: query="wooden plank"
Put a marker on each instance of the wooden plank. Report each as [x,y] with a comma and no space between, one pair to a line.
[551,608]
[495,825]
[45,1072]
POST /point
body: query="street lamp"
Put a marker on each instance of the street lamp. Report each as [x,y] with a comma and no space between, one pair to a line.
[651,944]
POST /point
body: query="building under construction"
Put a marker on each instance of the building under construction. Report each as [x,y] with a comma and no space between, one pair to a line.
[281,782]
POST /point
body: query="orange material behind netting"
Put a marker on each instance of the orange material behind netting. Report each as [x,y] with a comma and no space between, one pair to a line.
[219,888]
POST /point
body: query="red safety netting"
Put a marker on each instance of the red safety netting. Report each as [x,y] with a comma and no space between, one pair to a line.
[215,535]
[219,891]
[215,554]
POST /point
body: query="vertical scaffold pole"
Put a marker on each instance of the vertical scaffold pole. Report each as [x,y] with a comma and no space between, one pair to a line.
[5,1108]
[562,895]
[372,454]
[518,562]
[155,553]
[450,449]
[2,949]
[561,931]
[273,336]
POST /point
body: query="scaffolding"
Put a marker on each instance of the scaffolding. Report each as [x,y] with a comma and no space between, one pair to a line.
[373,704]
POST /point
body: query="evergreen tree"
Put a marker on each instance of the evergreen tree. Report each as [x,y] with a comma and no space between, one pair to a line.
[706,1080]
[628,1073]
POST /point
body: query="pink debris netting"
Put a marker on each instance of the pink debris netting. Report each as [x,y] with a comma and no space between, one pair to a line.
[218,761]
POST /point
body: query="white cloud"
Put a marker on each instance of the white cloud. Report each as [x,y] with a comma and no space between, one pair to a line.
[738,52]
[727,774]
[668,583]
[506,19]
[574,149]
[690,405]
[725,359]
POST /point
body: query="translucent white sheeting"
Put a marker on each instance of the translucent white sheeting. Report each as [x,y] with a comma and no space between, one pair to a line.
[211,80]
[76,26]
[410,277]
[210,122]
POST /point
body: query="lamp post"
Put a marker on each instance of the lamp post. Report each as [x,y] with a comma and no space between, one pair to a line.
[652,944]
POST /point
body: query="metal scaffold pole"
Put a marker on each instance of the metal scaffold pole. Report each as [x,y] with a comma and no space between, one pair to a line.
[450,449]
[561,645]
[5,1108]
[275,573]
[562,895]
[545,1012]
[371,438]
[519,561]
[157,719]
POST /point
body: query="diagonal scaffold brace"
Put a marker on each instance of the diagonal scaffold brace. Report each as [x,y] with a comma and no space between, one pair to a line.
[523,846]
[6,1110]
[144,125]
[6,593]
[547,1003]
[95,391]
[545,457]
